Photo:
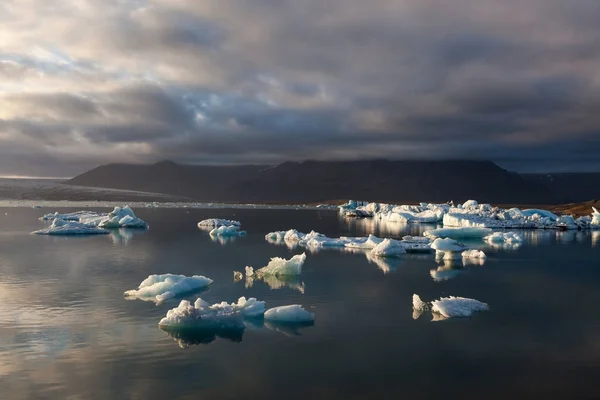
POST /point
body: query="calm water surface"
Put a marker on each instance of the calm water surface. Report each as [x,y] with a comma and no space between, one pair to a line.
[67,332]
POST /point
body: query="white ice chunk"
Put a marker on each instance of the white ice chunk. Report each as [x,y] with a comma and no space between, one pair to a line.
[219,315]
[291,314]
[162,287]
[457,306]
[237,276]
[504,237]
[419,304]
[62,227]
[227,230]
[458,233]
[280,266]
[216,222]
[470,204]
[364,243]
[249,272]
[122,217]
[447,245]
[388,248]
[473,254]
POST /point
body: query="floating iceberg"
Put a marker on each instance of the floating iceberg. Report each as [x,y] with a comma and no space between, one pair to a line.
[162,287]
[452,306]
[237,276]
[122,217]
[504,237]
[220,315]
[289,314]
[364,243]
[473,254]
[448,307]
[388,248]
[63,227]
[217,222]
[447,248]
[227,230]
[458,233]
[280,266]
[119,217]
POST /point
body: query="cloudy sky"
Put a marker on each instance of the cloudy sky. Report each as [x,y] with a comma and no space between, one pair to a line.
[87,82]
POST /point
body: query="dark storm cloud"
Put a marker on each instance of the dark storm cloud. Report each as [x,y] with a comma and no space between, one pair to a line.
[265,81]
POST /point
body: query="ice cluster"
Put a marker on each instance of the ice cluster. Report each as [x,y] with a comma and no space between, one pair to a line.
[448,307]
[470,214]
[69,227]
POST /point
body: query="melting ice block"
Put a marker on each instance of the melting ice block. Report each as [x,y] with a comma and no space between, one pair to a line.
[219,315]
[216,222]
[281,267]
[227,230]
[447,248]
[448,307]
[63,227]
[504,237]
[119,217]
[473,254]
[458,233]
[388,248]
[162,287]
[289,314]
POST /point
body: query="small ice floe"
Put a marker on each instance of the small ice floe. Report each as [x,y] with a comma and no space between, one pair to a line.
[448,307]
[201,314]
[458,233]
[388,248]
[217,222]
[281,267]
[227,230]
[159,288]
[473,254]
[448,248]
[289,314]
[504,237]
[237,276]
[63,227]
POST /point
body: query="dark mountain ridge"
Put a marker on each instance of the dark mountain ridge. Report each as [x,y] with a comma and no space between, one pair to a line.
[318,181]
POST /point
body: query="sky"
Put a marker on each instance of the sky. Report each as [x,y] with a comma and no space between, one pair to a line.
[88,82]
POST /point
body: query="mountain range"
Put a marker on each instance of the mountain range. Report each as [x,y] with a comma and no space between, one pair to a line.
[319,181]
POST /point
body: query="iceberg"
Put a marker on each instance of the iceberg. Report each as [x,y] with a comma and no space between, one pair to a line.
[595,223]
[504,237]
[458,233]
[289,314]
[119,217]
[219,315]
[159,288]
[388,248]
[473,254]
[227,230]
[64,227]
[364,243]
[448,307]
[122,217]
[237,276]
[281,267]
[447,248]
[452,306]
[217,222]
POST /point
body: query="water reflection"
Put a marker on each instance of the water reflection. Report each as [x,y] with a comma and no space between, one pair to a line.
[186,337]
[123,236]
[378,227]
[223,240]
[290,244]
[275,282]
[595,238]
[446,272]
[386,265]
[193,336]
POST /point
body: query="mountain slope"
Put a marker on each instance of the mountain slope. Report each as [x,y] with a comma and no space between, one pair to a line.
[316,181]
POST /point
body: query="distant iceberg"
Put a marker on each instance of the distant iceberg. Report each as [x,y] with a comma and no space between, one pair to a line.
[64,227]
[473,254]
[217,222]
[448,248]
[289,314]
[159,288]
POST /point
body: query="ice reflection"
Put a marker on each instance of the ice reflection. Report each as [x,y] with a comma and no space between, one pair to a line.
[387,264]
[378,227]
[290,244]
[223,240]
[595,238]
[276,283]
[454,267]
[190,336]
[124,235]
